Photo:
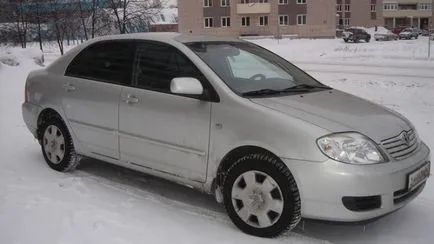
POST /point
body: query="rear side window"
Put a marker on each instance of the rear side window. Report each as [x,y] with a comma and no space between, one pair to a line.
[110,61]
[157,64]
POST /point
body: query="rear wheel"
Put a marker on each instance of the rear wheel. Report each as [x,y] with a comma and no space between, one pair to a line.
[345,40]
[261,196]
[57,147]
[367,39]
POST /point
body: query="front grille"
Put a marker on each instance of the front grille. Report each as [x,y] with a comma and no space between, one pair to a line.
[401,146]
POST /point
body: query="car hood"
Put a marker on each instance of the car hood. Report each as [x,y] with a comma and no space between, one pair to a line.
[337,111]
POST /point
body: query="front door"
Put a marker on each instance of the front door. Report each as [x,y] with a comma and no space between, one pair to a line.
[92,86]
[160,130]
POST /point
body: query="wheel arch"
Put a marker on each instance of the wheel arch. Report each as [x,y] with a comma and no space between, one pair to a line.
[229,159]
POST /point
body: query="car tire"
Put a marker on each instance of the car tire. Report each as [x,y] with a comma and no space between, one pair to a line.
[57,146]
[261,196]
[345,40]
[368,39]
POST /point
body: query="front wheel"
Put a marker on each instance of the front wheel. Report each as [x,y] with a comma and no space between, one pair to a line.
[261,196]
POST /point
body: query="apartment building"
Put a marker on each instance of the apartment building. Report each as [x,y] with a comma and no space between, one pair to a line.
[416,13]
[304,18]
[366,13]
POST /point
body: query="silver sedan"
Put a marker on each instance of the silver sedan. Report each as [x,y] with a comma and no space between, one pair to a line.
[231,119]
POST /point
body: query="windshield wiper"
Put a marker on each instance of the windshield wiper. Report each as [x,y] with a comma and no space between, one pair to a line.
[305,87]
[297,88]
[261,92]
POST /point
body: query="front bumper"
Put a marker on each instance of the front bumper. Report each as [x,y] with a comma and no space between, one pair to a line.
[323,186]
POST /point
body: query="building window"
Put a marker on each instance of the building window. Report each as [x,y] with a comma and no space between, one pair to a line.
[283,20]
[245,21]
[207,3]
[346,22]
[301,1]
[390,6]
[226,21]
[224,3]
[209,22]
[347,8]
[283,2]
[339,7]
[373,8]
[262,1]
[301,19]
[425,6]
[263,20]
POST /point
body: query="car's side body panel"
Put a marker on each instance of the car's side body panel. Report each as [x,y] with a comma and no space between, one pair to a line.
[168,133]
[92,111]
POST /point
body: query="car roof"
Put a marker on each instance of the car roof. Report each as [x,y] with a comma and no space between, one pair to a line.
[168,37]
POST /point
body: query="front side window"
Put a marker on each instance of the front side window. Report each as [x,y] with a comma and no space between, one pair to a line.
[157,64]
[105,61]
[249,70]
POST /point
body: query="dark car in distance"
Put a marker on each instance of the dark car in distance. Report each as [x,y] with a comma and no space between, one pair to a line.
[356,35]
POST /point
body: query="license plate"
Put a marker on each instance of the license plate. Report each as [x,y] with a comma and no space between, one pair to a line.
[419,176]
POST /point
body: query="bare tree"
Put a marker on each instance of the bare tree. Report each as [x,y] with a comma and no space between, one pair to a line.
[21,23]
[59,24]
[82,13]
[130,13]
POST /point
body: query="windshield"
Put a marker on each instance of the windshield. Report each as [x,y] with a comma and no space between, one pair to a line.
[407,30]
[253,71]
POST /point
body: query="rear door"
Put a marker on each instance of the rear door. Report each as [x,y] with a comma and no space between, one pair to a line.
[92,88]
[160,130]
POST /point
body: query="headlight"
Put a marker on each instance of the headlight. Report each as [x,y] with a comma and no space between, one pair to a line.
[351,148]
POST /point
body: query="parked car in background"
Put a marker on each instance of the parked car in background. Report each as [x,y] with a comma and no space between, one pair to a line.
[424,32]
[397,30]
[355,34]
[229,118]
[390,36]
[409,33]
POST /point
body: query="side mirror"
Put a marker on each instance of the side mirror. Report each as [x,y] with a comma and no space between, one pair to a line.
[186,86]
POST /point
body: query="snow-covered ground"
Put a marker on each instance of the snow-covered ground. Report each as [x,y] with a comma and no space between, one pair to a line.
[100,203]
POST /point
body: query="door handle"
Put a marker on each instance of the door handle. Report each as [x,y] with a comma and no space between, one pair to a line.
[68,87]
[131,99]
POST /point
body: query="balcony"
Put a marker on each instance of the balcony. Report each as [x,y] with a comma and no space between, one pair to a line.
[253,8]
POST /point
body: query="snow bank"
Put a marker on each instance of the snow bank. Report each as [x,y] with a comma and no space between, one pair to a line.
[14,56]
[337,51]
